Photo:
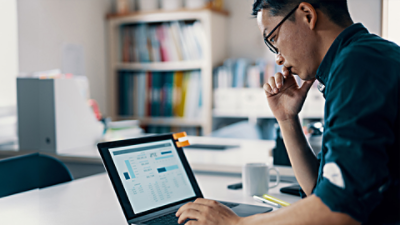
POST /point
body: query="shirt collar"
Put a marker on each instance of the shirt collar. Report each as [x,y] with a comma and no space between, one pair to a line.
[340,42]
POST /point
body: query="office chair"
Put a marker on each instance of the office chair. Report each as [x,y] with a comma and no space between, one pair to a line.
[27,172]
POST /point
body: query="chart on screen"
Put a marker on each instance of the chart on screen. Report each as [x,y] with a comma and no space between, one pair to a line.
[152,174]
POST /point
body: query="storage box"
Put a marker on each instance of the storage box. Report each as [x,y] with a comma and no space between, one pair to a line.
[148,5]
[53,116]
[241,102]
[195,4]
[171,4]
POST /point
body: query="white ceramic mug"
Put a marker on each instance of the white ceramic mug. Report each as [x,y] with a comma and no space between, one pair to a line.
[255,178]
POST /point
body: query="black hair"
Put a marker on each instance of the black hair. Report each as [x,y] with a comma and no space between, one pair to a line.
[336,10]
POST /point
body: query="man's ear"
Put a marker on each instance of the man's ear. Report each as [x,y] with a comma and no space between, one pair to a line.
[309,14]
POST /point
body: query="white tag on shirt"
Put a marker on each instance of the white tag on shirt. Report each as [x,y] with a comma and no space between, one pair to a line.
[333,173]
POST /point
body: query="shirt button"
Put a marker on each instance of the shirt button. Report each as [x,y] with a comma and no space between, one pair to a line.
[321,87]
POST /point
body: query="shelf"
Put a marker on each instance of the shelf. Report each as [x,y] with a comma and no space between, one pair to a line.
[169,121]
[214,23]
[235,114]
[138,15]
[160,66]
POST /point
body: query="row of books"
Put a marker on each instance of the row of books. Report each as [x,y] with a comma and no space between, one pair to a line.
[160,94]
[173,41]
[242,73]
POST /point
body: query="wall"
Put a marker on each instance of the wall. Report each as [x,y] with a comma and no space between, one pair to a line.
[245,39]
[8,53]
[45,26]
[368,12]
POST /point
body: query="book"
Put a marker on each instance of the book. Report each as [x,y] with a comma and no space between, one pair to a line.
[168,94]
[177,93]
[163,44]
[177,41]
[155,94]
[142,94]
[155,44]
[240,73]
[171,48]
[149,97]
[141,42]
[160,94]
[126,43]
[125,105]
[193,95]
[167,42]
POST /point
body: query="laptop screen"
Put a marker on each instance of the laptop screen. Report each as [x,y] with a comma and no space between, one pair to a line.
[152,174]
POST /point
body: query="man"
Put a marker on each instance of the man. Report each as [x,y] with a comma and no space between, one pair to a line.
[356,179]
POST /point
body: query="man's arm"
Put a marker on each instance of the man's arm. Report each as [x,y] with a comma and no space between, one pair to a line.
[286,98]
[303,160]
[308,211]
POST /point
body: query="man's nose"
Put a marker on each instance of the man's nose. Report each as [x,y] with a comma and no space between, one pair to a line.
[279,59]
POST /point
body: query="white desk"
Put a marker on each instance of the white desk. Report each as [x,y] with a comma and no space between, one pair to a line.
[230,160]
[225,161]
[92,200]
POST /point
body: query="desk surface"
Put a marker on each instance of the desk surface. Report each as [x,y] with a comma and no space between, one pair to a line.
[225,161]
[92,200]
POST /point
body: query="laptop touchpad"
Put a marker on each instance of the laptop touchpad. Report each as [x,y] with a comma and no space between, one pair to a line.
[248,210]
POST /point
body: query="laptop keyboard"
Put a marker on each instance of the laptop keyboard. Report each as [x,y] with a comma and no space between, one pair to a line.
[171,219]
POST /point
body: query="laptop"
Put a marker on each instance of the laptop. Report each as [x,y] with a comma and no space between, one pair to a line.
[152,179]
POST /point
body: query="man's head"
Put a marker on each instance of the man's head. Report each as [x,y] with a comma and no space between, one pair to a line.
[303,39]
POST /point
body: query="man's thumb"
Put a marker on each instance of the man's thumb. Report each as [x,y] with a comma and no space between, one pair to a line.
[307,85]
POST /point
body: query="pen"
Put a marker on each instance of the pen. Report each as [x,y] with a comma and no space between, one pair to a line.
[275,200]
[266,201]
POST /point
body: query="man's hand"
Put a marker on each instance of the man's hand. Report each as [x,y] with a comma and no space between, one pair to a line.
[204,211]
[285,97]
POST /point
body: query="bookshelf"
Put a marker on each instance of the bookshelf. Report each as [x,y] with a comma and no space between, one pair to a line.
[213,49]
[238,96]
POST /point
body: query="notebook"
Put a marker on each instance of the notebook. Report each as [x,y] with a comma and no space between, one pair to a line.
[152,179]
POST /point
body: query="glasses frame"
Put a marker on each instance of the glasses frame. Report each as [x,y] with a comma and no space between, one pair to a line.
[269,44]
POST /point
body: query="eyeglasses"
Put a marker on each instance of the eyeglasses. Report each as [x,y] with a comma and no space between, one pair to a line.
[268,43]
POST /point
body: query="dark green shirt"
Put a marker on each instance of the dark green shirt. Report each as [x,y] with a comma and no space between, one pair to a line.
[359,172]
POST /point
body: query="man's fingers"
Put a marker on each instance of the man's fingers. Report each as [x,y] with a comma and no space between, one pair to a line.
[287,72]
[279,80]
[206,202]
[189,214]
[272,83]
[268,89]
[183,208]
[191,205]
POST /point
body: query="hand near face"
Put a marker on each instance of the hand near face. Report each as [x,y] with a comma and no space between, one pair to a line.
[204,211]
[285,97]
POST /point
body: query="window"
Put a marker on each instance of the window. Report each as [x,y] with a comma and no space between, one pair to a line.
[390,20]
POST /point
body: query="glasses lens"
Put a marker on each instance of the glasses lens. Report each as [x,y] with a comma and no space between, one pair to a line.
[271,47]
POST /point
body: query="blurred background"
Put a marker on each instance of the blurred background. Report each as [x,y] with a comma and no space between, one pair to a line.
[157,65]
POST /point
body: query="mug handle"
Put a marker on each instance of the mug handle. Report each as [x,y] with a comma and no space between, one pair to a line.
[277,177]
